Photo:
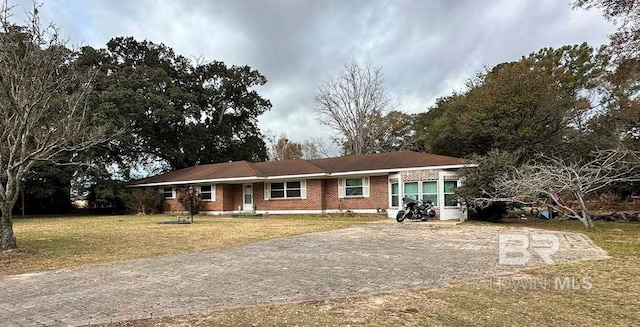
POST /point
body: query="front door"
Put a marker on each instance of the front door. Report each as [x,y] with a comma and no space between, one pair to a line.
[247,197]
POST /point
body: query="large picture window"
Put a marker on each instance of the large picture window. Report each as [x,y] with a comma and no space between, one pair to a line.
[286,190]
[425,191]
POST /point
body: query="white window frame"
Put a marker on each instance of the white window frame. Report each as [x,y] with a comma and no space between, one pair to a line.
[164,193]
[213,193]
[303,190]
[391,195]
[421,192]
[342,188]
[444,193]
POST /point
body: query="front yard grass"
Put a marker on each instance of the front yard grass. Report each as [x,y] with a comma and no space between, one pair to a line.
[57,242]
[613,300]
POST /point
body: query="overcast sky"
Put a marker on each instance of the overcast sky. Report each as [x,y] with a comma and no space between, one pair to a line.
[426,48]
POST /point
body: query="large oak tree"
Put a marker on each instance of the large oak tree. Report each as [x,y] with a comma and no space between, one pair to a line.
[178,110]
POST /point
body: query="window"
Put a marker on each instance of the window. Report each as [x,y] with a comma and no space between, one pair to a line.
[353,187]
[285,190]
[395,195]
[449,196]
[207,193]
[411,190]
[167,192]
[430,192]
[293,189]
[277,190]
[425,191]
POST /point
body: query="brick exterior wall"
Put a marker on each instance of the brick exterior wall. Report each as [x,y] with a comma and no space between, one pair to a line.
[378,190]
[217,204]
[322,194]
[232,197]
[312,202]
[419,175]
[171,205]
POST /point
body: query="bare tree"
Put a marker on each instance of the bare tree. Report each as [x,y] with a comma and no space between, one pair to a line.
[43,108]
[352,104]
[316,148]
[574,181]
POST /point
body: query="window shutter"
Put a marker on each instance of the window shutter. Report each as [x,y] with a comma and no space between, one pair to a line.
[365,187]
[340,188]
[213,192]
[267,190]
[303,189]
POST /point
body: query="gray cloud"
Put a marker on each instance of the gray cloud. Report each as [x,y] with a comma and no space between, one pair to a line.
[427,49]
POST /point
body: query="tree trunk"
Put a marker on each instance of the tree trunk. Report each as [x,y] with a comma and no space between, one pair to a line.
[586,220]
[7,238]
[584,217]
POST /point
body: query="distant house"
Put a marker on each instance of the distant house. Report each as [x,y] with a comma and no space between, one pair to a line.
[367,183]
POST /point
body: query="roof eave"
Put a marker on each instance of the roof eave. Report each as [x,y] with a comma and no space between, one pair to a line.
[200,181]
[230,179]
[391,170]
[301,176]
[296,176]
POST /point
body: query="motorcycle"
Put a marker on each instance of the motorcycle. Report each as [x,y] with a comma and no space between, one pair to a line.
[415,210]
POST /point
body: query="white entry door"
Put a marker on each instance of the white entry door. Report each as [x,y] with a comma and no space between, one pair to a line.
[247,197]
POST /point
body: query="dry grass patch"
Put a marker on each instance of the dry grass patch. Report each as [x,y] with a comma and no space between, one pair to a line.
[612,301]
[57,242]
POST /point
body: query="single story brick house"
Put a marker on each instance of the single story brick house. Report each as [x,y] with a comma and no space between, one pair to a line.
[369,183]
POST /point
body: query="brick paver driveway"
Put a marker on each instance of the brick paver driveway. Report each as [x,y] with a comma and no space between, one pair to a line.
[360,260]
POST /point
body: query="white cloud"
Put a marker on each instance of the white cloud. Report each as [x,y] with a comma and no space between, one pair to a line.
[427,48]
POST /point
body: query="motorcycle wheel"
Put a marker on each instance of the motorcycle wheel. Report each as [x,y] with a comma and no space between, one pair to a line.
[432,213]
[400,216]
